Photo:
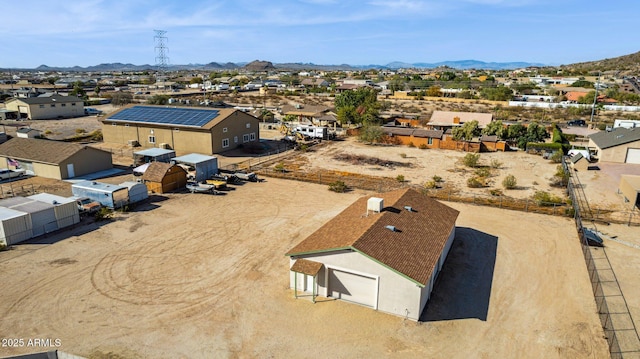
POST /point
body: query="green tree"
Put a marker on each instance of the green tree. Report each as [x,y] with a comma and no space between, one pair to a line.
[467,131]
[371,133]
[97,90]
[121,98]
[587,99]
[495,128]
[516,131]
[357,106]
[158,100]
[434,91]
[78,90]
[500,93]
[582,83]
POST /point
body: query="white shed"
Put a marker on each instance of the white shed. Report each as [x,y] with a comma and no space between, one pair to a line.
[43,216]
[66,209]
[15,226]
[137,191]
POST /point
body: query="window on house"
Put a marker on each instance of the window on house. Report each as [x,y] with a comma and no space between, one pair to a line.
[63,104]
[41,106]
[235,139]
[245,138]
[430,141]
[225,129]
[225,142]
[152,139]
[73,104]
[53,105]
[248,125]
[253,136]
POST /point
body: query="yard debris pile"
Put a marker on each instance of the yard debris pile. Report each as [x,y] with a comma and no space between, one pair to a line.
[368,160]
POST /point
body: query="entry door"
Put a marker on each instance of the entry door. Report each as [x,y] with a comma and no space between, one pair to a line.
[70,171]
[308,283]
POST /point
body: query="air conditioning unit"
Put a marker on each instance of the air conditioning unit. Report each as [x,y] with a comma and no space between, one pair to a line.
[133,143]
[165,146]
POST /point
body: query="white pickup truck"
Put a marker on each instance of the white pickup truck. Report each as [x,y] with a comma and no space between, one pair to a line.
[6,173]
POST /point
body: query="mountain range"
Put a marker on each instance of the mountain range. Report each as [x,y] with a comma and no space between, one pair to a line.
[461,64]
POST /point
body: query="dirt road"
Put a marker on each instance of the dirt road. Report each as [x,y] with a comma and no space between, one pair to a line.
[199,276]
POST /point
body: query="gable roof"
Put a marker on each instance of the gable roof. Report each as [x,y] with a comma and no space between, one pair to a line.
[412,250]
[304,110]
[619,136]
[37,150]
[157,170]
[445,118]
[164,116]
[43,100]
[415,132]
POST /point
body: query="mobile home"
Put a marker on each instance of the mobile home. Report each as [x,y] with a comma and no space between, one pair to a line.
[109,195]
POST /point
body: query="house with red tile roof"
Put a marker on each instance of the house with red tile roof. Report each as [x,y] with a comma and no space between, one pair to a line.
[383,252]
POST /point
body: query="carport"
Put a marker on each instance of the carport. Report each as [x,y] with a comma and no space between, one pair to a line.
[204,166]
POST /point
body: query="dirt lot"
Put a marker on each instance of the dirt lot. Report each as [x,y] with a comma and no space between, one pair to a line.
[211,281]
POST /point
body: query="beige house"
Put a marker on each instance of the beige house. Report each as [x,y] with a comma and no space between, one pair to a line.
[383,252]
[630,189]
[621,145]
[182,129]
[53,159]
[46,107]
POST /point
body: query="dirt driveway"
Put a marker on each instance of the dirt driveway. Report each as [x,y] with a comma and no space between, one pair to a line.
[199,276]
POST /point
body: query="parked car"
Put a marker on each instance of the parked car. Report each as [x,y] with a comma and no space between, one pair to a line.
[6,173]
[92,111]
[577,123]
[87,205]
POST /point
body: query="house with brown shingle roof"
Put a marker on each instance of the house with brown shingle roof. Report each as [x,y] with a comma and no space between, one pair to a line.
[53,159]
[384,252]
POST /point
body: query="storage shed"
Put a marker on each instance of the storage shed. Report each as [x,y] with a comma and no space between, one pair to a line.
[66,209]
[164,177]
[42,215]
[153,155]
[137,191]
[204,166]
[109,195]
[15,226]
[630,189]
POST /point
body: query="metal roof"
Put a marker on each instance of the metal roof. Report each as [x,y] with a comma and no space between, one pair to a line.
[98,186]
[51,198]
[193,158]
[179,116]
[8,213]
[25,204]
[154,152]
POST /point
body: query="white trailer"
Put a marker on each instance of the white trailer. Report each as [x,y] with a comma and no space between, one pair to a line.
[314,132]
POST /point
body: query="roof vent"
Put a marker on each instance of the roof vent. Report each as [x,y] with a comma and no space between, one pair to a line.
[391,228]
[375,204]
[408,208]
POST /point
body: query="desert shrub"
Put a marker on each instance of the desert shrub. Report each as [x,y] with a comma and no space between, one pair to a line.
[431,185]
[423,146]
[437,179]
[560,178]
[509,182]
[104,214]
[279,167]
[471,159]
[48,132]
[495,163]
[403,155]
[482,172]
[3,247]
[400,178]
[556,157]
[80,131]
[338,187]
[476,182]
[543,198]
[496,192]
[411,144]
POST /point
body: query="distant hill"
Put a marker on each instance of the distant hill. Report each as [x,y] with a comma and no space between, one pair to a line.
[627,64]
[259,66]
[465,65]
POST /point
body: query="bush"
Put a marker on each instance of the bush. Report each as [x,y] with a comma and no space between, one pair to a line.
[556,157]
[338,187]
[279,167]
[423,146]
[400,178]
[561,178]
[496,192]
[509,182]
[80,131]
[543,198]
[411,144]
[403,155]
[482,172]
[436,179]
[3,247]
[471,159]
[104,214]
[476,182]
[431,185]
[495,163]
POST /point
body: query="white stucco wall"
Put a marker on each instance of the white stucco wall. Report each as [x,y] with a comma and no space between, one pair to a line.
[396,294]
[426,291]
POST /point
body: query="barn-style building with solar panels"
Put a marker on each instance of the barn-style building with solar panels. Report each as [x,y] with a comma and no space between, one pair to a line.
[182,129]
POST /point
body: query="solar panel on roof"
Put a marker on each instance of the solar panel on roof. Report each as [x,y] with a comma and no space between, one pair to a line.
[169,115]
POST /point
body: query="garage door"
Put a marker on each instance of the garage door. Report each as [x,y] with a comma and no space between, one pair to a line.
[633,155]
[352,287]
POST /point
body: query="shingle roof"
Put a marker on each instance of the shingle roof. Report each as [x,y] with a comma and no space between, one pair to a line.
[156,171]
[306,266]
[412,250]
[416,132]
[36,150]
[617,137]
[445,118]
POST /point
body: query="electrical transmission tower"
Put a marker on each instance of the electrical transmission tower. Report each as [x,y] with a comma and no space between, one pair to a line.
[162,60]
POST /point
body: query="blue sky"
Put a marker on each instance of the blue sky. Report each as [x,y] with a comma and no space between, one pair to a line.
[90,32]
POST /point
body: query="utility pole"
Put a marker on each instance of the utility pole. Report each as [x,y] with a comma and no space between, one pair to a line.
[595,100]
